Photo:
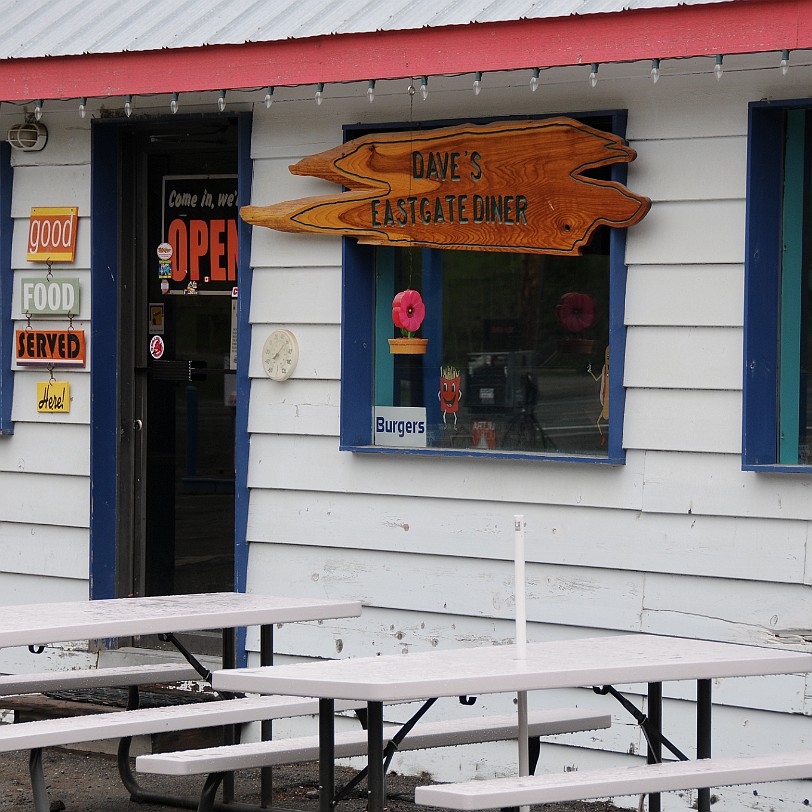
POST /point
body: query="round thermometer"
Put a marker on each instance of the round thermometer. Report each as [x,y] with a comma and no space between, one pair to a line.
[280,354]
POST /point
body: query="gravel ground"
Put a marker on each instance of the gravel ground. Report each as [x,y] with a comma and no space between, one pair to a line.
[89,782]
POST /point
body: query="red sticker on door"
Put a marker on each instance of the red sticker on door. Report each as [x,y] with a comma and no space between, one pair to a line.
[156,347]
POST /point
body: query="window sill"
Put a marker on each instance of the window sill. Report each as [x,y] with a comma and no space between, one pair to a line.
[489,454]
[775,468]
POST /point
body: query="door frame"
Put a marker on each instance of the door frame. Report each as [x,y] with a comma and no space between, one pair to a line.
[105,169]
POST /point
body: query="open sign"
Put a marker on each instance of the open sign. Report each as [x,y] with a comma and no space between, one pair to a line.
[52,234]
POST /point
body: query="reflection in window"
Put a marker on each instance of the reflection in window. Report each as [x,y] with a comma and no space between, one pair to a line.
[518,354]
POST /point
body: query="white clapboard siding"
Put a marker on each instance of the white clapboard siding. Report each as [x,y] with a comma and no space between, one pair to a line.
[61,185]
[684,295]
[44,550]
[296,406]
[683,420]
[50,499]
[683,358]
[47,448]
[37,270]
[740,611]
[704,231]
[315,463]
[714,484]
[711,546]
[17,588]
[24,405]
[690,168]
[303,295]
[273,182]
[319,351]
[279,249]
[19,245]
[461,586]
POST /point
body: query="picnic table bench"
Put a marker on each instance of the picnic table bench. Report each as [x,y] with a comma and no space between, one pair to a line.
[581,786]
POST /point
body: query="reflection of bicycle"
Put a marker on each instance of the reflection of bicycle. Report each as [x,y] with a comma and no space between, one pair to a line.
[524,432]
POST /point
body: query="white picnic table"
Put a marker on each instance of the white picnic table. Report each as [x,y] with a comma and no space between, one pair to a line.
[591,662]
[35,625]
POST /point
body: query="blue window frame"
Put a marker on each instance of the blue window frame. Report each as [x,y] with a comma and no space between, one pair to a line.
[777,409]
[6,324]
[522,398]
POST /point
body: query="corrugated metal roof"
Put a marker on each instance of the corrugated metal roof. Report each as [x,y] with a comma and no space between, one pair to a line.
[35,28]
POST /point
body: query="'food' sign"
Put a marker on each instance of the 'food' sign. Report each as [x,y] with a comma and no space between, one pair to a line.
[54,297]
[52,234]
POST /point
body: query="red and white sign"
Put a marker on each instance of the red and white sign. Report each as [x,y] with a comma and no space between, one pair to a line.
[52,234]
[156,347]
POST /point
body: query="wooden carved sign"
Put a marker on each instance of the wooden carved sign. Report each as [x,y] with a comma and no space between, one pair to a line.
[504,186]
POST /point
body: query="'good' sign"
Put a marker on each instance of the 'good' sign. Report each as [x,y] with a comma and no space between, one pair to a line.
[52,234]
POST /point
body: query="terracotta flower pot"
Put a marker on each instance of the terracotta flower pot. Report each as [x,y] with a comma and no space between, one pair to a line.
[408,346]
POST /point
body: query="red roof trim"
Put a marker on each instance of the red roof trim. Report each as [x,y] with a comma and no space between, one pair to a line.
[682,31]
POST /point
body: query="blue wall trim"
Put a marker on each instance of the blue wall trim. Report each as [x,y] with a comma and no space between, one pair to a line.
[6,283]
[104,418]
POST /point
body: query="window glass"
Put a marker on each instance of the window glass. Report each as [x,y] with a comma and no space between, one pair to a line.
[522,361]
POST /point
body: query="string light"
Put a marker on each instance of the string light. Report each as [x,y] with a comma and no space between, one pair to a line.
[371,90]
[268,96]
[593,74]
[38,109]
[82,106]
[717,68]
[319,92]
[424,87]
[173,104]
[128,105]
[221,101]
[655,70]
[534,80]
[784,62]
[477,82]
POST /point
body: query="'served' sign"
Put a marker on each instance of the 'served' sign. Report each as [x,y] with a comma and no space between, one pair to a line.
[504,186]
[48,348]
[52,234]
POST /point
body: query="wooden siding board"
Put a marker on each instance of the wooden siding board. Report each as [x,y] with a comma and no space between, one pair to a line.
[45,550]
[683,420]
[21,588]
[710,546]
[40,185]
[689,232]
[294,407]
[714,484]
[315,463]
[685,296]
[301,295]
[50,498]
[47,448]
[319,352]
[277,248]
[575,595]
[690,168]
[706,358]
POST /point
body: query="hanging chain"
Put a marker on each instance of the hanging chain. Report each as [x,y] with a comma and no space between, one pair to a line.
[49,276]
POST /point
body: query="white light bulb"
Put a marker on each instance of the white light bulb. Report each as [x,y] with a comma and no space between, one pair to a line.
[38,109]
[319,92]
[718,70]
[424,87]
[593,74]
[477,83]
[82,107]
[784,62]
[534,80]
[173,104]
[128,106]
[371,91]
[221,101]
[268,97]
[655,71]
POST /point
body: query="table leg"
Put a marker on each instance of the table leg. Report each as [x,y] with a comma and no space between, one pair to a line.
[327,771]
[704,706]
[655,747]
[376,778]
[229,733]
[266,775]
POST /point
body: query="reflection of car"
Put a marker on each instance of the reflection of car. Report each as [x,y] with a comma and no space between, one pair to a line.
[501,382]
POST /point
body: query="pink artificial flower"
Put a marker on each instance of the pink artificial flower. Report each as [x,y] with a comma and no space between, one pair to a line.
[576,311]
[408,310]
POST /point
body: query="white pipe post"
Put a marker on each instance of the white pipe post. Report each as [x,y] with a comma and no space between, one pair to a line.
[519,588]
